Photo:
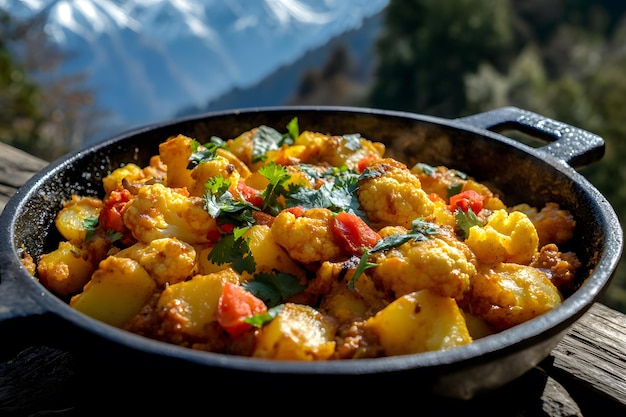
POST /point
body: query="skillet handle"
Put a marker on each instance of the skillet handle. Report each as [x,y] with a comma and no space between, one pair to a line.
[15,299]
[576,147]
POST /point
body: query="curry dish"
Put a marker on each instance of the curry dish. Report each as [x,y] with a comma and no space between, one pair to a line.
[305,246]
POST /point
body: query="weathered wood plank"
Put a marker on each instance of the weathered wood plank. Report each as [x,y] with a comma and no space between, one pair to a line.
[592,355]
[16,167]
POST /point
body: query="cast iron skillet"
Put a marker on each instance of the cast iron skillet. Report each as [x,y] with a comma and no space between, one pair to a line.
[523,173]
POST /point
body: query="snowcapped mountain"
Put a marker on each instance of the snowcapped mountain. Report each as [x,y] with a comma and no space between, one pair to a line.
[147,59]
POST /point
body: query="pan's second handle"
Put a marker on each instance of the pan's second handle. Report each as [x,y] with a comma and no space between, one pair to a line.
[15,299]
[572,145]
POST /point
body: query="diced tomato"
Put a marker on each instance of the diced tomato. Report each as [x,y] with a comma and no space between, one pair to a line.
[467,199]
[365,161]
[434,197]
[354,233]
[297,211]
[261,217]
[250,194]
[112,214]
[215,233]
[234,306]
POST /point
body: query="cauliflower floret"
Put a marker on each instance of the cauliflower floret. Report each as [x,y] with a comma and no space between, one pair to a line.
[553,224]
[158,211]
[322,149]
[395,197]
[217,166]
[509,294]
[341,302]
[131,173]
[167,260]
[308,238]
[507,237]
[175,153]
[440,263]
[242,147]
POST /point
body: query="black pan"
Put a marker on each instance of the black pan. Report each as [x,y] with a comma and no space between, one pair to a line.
[524,173]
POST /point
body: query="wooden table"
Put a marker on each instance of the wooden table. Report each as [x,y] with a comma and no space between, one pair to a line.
[584,376]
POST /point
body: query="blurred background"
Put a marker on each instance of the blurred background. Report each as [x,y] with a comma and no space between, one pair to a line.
[74,72]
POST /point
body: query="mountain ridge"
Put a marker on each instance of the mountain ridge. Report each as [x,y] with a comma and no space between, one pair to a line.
[145,60]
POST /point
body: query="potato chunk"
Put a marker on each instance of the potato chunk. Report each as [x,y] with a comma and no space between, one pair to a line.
[65,270]
[510,294]
[70,221]
[419,322]
[299,332]
[268,255]
[190,305]
[117,291]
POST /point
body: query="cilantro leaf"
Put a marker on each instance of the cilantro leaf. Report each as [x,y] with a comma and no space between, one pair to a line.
[425,168]
[353,141]
[204,153]
[361,267]
[278,177]
[337,193]
[274,288]
[220,203]
[234,250]
[293,131]
[420,230]
[90,224]
[259,319]
[265,139]
[268,139]
[466,221]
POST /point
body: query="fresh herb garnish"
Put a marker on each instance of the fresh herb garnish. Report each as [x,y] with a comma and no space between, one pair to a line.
[454,189]
[353,141]
[259,319]
[293,131]
[337,193]
[466,220]
[426,168]
[222,205]
[268,139]
[204,153]
[90,224]
[233,248]
[278,177]
[273,288]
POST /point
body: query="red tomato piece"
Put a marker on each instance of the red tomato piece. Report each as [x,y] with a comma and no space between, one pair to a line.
[365,161]
[434,197]
[215,233]
[234,306]
[297,211]
[111,216]
[467,199]
[354,233]
[250,194]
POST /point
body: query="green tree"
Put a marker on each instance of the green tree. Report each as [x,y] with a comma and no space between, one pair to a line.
[44,113]
[427,46]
